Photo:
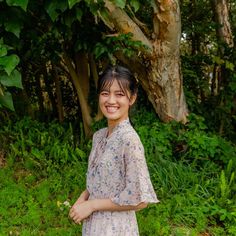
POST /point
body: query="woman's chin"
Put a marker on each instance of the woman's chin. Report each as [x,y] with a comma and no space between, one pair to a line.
[110,116]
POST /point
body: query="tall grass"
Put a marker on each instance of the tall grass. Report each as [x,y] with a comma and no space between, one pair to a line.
[191,171]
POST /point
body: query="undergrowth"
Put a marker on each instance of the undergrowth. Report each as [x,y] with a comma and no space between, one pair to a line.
[192,170]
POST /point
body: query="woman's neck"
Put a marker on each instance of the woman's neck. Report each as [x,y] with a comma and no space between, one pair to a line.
[112,124]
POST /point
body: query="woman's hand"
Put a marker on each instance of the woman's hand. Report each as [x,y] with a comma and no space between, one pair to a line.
[83,197]
[80,200]
[81,211]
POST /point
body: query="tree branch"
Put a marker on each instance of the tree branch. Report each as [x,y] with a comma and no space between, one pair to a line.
[167,23]
[136,66]
[124,24]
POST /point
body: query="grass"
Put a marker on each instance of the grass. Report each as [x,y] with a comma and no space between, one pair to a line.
[33,205]
[44,170]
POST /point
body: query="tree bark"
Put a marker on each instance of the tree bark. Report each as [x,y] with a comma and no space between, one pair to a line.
[161,75]
[124,24]
[39,95]
[49,89]
[82,70]
[94,73]
[221,14]
[87,120]
[58,94]
[225,39]
[93,69]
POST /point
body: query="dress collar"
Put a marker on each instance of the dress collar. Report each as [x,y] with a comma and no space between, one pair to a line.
[119,126]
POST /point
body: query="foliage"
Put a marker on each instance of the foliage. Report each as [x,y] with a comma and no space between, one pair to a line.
[9,75]
[192,166]
[209,74]
[46,169]
[36,34]
[118,43]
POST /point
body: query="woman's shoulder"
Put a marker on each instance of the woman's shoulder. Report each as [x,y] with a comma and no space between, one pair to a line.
[129,135]
[99,133]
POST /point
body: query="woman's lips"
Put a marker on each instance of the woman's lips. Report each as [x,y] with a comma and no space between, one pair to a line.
[111,109]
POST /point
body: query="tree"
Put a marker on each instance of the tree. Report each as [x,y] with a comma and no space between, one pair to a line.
[208,57]
[68,37]
[224,66]
[223,30]
[158,64]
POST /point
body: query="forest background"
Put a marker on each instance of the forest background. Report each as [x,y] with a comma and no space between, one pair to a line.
[183,55]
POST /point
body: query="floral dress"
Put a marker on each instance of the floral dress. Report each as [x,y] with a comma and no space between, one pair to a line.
[117,170]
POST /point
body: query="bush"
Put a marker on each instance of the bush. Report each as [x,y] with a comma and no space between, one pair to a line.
[192,171]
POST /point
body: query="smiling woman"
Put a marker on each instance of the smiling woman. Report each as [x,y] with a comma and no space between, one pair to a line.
[115,103]
[118,181]
[117,91]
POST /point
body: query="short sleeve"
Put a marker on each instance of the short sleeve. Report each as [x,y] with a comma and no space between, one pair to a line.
[93,147]
[138,186]
[96,137]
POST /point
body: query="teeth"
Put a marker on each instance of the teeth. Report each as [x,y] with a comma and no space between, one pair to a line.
[112,109]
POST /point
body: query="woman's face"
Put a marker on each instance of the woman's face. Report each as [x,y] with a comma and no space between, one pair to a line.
[114,103]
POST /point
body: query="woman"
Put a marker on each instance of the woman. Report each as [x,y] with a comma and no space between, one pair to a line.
[118,181]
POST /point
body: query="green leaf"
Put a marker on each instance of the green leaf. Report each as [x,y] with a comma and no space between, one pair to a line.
[79,14]
[9,63]
[80,153]
[13,27]
[99,50]
[135,4]
[1,91]
[119,3]
[232,86]
[55,8]
[18,3]
[12,80]
[2,45]
[229,65]
[6,101]
[218,60]
[3,50]
[37,153]
[72,3]
[69,19]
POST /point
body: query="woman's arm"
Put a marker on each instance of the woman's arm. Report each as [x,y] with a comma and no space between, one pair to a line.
[85,209]
[108,205]
[83,197]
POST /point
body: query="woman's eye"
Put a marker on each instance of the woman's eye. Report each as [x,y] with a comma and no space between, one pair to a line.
[104,93]
[119,94]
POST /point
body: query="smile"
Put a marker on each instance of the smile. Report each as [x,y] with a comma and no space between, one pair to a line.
[111,109]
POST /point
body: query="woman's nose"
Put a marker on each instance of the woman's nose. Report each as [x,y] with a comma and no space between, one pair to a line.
[111,99]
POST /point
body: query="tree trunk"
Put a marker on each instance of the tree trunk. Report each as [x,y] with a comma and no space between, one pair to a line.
[58,94]
[26,95]
[94,73]
[160,74]
[49,89]
[39,95]
[221,14]
[82,70]
[85,110]
[93,69]
[225,39]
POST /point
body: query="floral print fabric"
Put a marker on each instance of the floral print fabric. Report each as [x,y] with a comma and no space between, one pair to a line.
[117,170]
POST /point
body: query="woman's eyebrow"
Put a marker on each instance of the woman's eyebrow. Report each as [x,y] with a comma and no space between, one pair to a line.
[105,90]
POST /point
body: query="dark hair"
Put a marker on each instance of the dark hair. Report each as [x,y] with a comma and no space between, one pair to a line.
[124,77]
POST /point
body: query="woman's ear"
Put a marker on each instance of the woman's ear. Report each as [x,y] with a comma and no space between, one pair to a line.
[132,99]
